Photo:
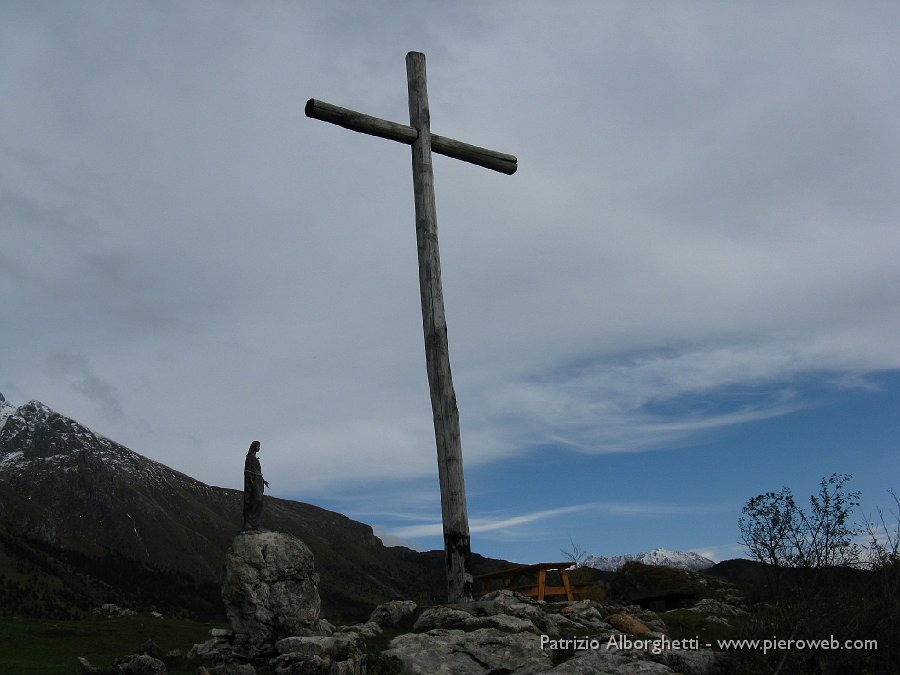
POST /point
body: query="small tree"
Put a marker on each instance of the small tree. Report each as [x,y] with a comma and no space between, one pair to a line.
[575,554]
[828,534]
[817,583]
[778,532]
[766,524]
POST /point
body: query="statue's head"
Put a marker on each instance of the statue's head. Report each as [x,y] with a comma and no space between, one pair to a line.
[254,446]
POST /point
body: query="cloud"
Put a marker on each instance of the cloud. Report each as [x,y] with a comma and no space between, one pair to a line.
[701,233]
[481,525]
[658,398]
[85,381]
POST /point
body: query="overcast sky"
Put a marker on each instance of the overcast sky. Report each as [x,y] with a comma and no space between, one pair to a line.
[688,294]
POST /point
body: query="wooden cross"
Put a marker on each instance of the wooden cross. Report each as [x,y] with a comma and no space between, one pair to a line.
[443,399]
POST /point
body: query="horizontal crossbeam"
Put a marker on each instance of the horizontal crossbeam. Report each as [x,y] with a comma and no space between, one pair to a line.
[375,126]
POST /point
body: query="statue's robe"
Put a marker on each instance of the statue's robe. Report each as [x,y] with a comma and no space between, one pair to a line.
[253,492]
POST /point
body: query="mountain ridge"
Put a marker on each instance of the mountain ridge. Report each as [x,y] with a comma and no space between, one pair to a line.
[66,487]
[660,557]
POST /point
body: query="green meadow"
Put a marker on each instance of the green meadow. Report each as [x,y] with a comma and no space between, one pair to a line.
[47,647]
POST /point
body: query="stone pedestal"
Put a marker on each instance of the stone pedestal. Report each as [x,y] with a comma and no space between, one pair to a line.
[271,588]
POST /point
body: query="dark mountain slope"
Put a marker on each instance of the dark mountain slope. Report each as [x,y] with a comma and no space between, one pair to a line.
[83,497]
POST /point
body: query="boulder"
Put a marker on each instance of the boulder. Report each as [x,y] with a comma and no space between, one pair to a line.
[270,588]
[515,604]
[442,617]
[658,588]
[329,645]
[583,615]
[627,624]
[507,602]
[456,652]
[339,654]
[214,649]
[369,629]
[452,617]
[393,612]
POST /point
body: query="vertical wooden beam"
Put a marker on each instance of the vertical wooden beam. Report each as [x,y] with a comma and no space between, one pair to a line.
[443,399]
[565,579]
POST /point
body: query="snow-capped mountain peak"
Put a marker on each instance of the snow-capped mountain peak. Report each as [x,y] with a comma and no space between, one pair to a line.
[6,409]
[36,438]
[659,556]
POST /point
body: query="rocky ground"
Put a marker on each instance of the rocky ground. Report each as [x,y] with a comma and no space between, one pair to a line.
[502,632]
[273,609]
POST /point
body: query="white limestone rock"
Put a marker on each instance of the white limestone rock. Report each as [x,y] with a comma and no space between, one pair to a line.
[341,653]
[456,652]
[270,588]
[453,617]
[393,612]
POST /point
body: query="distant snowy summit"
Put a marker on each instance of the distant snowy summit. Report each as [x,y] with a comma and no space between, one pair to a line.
[658,556]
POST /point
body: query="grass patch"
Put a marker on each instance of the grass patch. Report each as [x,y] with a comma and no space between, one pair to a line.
[44,647]
[683,624]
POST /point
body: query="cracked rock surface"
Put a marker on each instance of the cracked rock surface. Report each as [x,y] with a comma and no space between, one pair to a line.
[270,588]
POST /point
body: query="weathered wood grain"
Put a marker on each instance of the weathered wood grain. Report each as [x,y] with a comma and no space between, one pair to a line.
[440,382]
[375,126]
[356,121]
[437,357]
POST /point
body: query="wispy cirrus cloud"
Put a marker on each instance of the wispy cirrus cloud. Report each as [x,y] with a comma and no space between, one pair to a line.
[484,524]
[652,399]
